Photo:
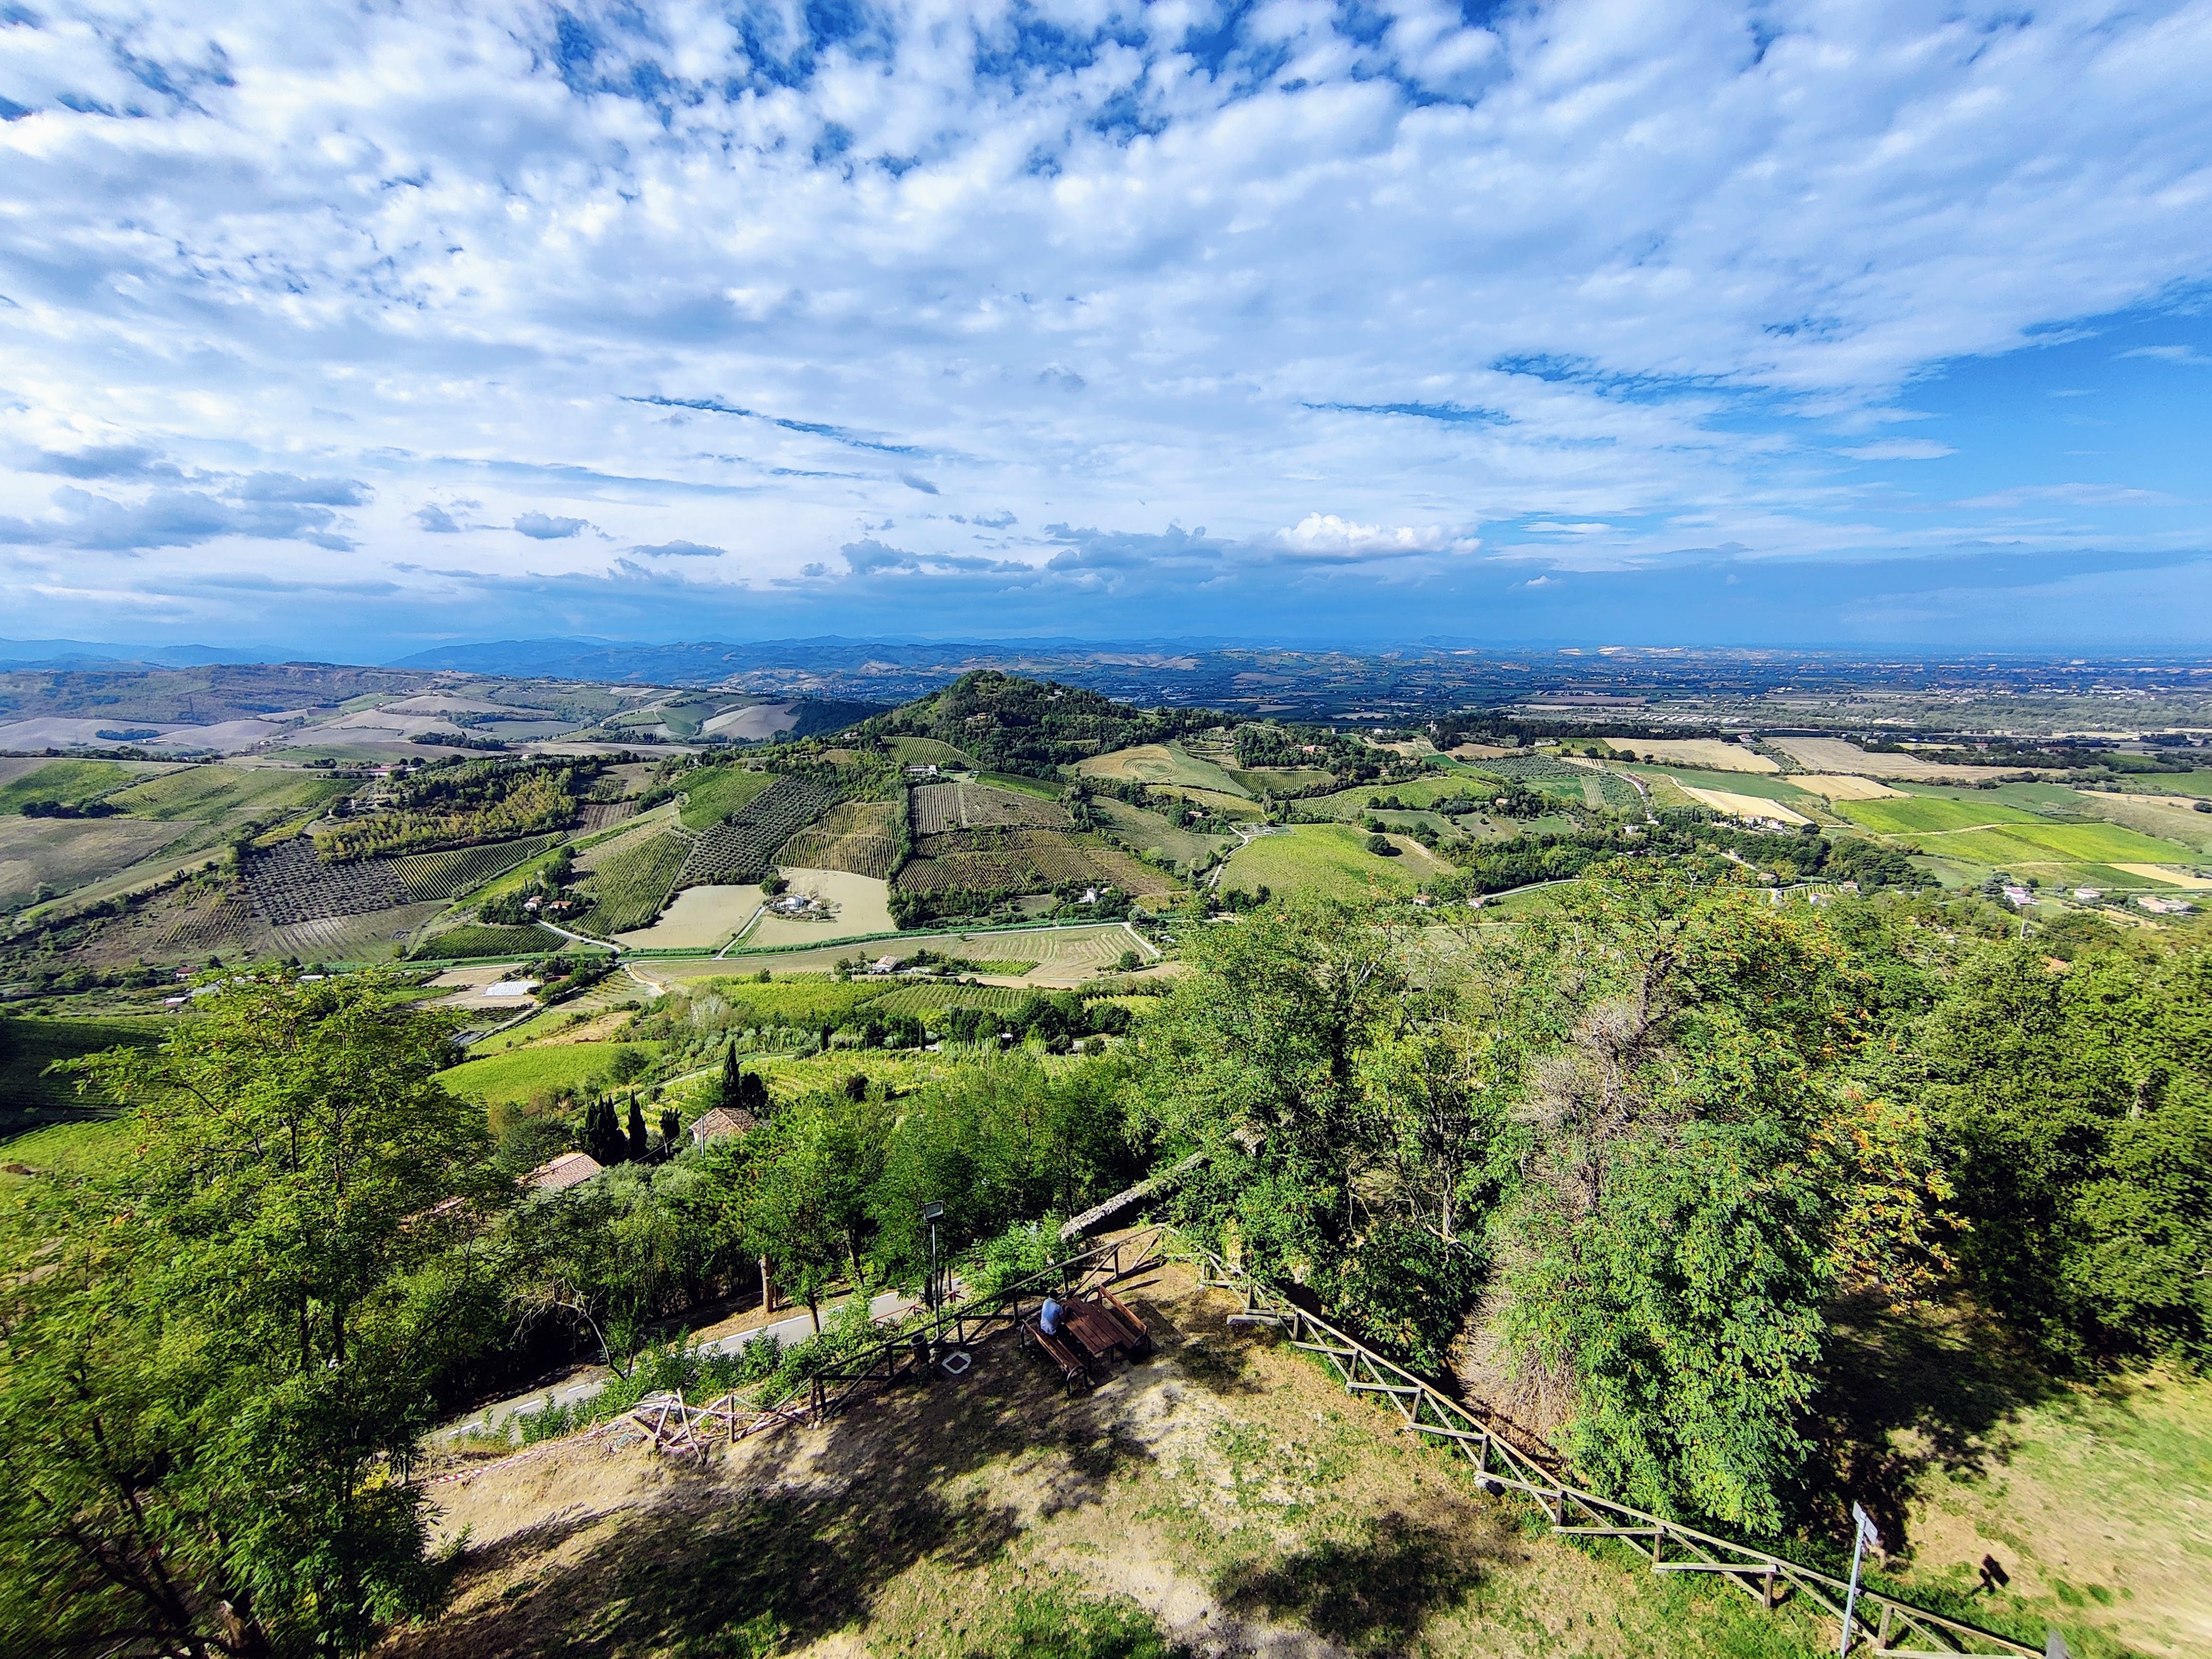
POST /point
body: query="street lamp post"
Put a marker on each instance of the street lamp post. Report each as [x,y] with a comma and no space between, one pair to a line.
[931,1212]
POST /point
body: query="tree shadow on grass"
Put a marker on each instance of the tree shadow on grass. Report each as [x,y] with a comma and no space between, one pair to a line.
[801,1535]
[1371,1592]
[1909,1396]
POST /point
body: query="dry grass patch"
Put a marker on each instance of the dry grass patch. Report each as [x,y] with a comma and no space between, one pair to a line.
[1241,1501]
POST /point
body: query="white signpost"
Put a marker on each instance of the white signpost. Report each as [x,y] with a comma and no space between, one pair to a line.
[1863,1525]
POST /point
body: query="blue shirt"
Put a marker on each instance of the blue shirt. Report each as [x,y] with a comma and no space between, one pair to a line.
[1049,1317]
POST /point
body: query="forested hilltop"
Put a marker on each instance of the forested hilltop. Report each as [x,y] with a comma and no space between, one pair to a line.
[1626,1171]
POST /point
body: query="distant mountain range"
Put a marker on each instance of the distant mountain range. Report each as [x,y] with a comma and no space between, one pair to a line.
[83,653]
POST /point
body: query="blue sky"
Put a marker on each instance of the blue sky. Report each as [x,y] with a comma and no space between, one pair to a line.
[347,330]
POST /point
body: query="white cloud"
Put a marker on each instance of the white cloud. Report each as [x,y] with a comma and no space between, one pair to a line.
[1104,266]
[1323,534]
[1899,449]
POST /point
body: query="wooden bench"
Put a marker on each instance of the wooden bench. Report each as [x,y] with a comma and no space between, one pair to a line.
[1073,1367]
[1140,1338]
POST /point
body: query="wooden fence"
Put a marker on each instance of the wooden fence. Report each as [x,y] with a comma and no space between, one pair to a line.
[676,1428]
[1506,1459]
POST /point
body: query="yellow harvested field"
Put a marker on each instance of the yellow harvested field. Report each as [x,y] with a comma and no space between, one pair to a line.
[862,904]
[1708,754]
[1744,806]
[2170,877]
[697,918]
[1842,786]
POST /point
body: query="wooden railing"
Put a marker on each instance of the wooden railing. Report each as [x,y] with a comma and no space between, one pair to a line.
[1507,1459]
[675,1427]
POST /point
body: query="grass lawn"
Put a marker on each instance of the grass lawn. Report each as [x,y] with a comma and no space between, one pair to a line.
[521,1072]
[1326,858]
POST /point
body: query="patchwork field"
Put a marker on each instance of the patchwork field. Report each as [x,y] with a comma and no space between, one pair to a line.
[863,904]
[698,918]
[28,1096]
[475,939]
[66,852]
[858,836]
[2170,877]
[459,870]
[1162,763]
[1326,858]
[1280,779]
[1151,832]
[925,751]
[741,849]
[1711,754]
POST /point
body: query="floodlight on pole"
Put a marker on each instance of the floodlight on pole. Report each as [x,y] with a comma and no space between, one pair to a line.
[931,1212]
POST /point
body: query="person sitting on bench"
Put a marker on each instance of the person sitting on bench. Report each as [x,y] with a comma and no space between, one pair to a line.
[1050,1316]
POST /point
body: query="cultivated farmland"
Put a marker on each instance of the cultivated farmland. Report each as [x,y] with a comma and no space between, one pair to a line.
[459,870]
[459,944]
[741,850]
[289,883]
[70,782]
[1711,754]
[1020,860]
[65,853]
[522,1073]
[942,807]
[374,936]
[1734,805]
[628,887]
[859,905]
[860,837]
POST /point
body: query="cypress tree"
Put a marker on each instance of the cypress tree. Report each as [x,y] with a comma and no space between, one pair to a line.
[639,1146]
[732,1077]
[671,1129]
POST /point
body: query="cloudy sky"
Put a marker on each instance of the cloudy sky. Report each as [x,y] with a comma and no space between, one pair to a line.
[348,329]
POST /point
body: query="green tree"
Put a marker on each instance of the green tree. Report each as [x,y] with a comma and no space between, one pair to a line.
[1680,1239]
[1254,1059]
[2075,1112]
[212,1350]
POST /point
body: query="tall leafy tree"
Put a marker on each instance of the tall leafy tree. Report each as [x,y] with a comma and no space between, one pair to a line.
[1254,1059]
[213,1349]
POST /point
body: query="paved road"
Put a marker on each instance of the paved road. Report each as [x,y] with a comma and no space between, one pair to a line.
[796,1328]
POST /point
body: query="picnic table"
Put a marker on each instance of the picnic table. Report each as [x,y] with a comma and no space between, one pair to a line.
[1092,1328]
